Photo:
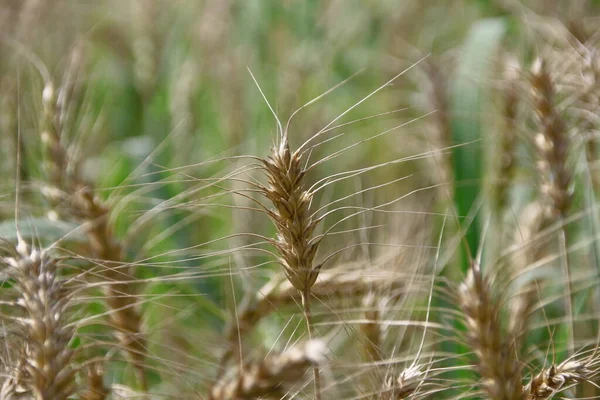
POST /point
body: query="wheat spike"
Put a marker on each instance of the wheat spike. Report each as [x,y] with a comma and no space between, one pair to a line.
[402,387]
[556,378]
[552,143]
[508,134]
[271,377]
[80,201]
[292,216]
[295,225]
[47,364]
[500,371]
[95,390]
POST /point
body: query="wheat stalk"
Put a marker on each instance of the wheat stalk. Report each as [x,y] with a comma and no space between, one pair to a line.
[371,331]
[338,283]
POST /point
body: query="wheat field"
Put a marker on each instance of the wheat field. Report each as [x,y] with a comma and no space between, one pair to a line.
[299,199]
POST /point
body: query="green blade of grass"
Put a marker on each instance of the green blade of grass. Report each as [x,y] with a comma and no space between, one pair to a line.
[467,95]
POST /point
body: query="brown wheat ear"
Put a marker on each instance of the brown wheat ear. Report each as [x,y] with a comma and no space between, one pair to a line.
[404,386]
[291,216]
[95,389]
[507,135]
[552,143]
[80,201]
[556,378]
[500,371]
[272,377]
[43,302]
[295,225]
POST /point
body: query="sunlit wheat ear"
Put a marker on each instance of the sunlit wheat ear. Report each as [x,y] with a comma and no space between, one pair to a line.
[552,143]
[80,202]
[295,225]
[557,378]
[272,377]
[15,385]
[291,215]
[403,386]
[43,300]
[56,159]
[500,371]
[95,389]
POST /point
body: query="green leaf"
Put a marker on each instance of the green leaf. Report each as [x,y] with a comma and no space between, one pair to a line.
[467,96]
[41,229]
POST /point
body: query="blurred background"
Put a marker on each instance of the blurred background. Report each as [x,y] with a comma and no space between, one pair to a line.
[157,100]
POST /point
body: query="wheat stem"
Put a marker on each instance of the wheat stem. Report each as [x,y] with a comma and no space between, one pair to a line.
[309,327]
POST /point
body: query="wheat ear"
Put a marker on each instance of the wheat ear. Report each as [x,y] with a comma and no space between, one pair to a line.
[371,331]
[500,371]
[553,145]
[556,378]
[87,208]
[439,133]
[507,135]
[271,377]
[15,385]
[95,390]
[43,300]
[295,225]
